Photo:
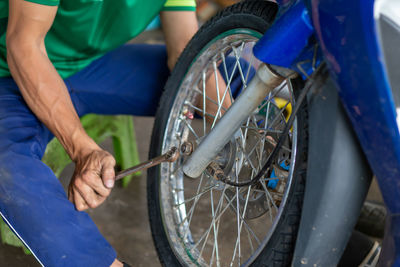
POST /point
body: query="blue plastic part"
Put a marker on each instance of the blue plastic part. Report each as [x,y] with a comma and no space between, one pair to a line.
[273,183]
[286,38]
[348,38]
[284,166]
[309,59]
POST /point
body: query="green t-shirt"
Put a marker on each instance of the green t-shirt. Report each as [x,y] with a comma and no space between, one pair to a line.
[84,30]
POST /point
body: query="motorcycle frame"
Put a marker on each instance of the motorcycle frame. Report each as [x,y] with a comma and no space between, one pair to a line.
[347,38]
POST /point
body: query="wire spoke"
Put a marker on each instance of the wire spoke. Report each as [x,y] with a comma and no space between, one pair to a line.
[191,129]
[238,225]
[265,133]
[191,211]
[226,74]
[197,90]
[218,92]
[237,56]
[290,86]
[249,67]
[245,222]
[237,63]
[204,102]
[241,223]
[224,95]
[200,110]
[268,195]
[215,231]
[250,242]
[261,129]
[216,219]
[279,114]
[272,193]
[272,94]
[241,145]
[194,197]
[247,159]
[272,142]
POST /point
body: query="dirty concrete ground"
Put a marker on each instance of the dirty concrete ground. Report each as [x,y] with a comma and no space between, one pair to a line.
[123,218]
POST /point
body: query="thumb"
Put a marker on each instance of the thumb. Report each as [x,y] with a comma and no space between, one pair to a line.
[107,172]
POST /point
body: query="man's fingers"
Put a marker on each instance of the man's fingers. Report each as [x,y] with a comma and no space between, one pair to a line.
[107,171]
[88,195]
[80,203]
[69,193]
[93,179]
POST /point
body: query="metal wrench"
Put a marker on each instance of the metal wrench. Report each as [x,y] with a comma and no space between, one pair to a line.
[170,156]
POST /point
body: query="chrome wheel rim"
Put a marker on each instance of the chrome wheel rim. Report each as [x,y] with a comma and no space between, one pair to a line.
[201,216]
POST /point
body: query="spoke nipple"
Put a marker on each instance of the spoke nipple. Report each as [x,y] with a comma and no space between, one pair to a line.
[189,115]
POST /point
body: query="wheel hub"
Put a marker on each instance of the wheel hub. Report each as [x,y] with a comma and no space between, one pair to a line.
[233,160]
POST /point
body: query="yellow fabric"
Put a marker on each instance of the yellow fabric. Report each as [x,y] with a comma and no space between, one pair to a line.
[180,3]
[281,103]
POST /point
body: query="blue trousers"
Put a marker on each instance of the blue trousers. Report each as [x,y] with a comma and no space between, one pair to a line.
[128,80]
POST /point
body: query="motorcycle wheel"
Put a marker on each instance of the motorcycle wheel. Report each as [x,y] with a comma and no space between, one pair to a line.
[205,222]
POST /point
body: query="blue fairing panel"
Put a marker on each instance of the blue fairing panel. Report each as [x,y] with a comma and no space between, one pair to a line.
[347,34]
[286,38]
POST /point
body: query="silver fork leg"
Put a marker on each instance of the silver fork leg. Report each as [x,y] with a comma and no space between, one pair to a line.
[262,84]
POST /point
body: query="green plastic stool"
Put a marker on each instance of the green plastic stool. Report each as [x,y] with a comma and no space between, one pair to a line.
[98,127]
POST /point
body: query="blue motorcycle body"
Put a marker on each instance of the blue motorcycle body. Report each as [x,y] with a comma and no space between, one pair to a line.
[357,40]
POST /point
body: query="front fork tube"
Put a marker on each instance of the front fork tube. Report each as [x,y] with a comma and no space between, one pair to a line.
[260,86]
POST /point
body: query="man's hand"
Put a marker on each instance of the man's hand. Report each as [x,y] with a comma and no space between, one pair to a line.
[92,180]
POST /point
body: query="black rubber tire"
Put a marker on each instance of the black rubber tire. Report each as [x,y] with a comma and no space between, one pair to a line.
[372,219]
[256,15]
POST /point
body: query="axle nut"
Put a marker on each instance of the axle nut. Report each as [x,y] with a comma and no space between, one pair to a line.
[187,148]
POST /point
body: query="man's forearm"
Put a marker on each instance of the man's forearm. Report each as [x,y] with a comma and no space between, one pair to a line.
[47,96]
[178,27]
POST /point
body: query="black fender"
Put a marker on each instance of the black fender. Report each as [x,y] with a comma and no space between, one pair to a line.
[338,178]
